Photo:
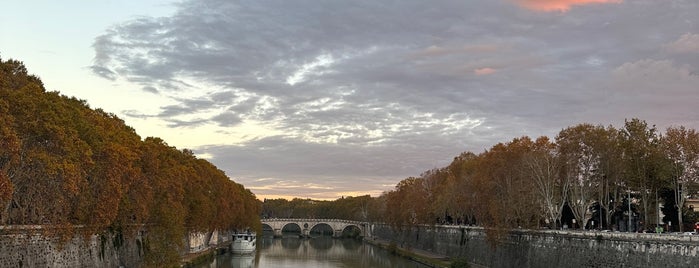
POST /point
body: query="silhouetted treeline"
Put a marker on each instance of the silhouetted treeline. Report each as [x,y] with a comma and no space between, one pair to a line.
[360,208]
[64,164]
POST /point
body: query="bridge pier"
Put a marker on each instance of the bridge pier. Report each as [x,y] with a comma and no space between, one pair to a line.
[277,232]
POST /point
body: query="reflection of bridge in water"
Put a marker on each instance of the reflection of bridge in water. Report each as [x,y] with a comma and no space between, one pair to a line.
[306,226]
[324,247]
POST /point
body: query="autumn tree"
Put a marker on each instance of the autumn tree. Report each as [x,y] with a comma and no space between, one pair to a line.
[504,185]
[9,155]
[542,165]
[65,164]
[681,147]
[407,205]
[581,166]
[643,163]
[466,204]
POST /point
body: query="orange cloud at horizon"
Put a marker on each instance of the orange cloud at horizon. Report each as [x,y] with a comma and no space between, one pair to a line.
[560,5]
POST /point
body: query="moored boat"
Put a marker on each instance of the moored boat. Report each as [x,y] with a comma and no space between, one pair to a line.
[244,243]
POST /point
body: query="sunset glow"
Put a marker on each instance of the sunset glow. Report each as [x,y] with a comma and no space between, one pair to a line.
[484,71]
[560,5]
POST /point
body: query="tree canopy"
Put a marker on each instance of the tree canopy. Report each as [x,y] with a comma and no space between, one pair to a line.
[63,163]
[588,172]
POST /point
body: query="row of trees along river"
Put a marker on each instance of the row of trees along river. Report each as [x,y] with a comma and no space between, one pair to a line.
[64,164]
[587,173]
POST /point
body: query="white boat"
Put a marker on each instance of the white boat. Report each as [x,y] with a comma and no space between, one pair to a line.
[244,243]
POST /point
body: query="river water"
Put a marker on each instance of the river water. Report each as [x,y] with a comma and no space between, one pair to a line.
[316,252]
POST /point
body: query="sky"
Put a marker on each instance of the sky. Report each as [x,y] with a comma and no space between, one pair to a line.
[322,99]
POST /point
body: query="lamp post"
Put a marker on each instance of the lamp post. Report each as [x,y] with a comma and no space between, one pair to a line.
[600,215]
[657,222]
[629,201]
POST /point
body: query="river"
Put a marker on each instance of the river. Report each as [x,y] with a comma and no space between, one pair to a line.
[316,252]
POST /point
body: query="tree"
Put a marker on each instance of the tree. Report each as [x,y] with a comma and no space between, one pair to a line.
[503,184]
[681,147]
[642,160]
[62,163]
[581,165]
[466,204]
[407,204]
[542,165]
[9,149]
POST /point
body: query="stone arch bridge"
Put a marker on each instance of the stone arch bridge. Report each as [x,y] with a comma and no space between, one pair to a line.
[306,225]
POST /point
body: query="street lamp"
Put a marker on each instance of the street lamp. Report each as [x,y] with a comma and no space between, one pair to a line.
[600,215]
[629,201]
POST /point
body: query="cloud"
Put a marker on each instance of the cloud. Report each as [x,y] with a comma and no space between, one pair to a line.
[687,43]
[484,71]
[560,5]
[227,119]
[658,91]
[338,91]
[659,78]
[150,89]
[103,72]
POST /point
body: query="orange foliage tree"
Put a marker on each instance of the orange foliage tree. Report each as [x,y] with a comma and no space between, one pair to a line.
[63,163]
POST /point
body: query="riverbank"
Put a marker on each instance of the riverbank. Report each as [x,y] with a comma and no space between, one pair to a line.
[418,255]
[204,256]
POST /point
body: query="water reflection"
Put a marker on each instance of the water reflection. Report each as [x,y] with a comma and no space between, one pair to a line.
[321,243]
[247,261]
[289,242]
[314,252]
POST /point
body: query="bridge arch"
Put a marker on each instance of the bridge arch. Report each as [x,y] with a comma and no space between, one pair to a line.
[352,231]
[321,228]
[267,229]
[292,227]
[306,225]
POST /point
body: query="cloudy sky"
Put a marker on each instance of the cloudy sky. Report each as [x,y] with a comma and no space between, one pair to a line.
[324,98]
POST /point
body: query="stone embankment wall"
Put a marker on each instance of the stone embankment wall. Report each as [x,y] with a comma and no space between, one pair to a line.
[533,248]
[26,246]
[29,246]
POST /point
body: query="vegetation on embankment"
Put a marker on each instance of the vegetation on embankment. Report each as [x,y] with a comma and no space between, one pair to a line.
[65,164]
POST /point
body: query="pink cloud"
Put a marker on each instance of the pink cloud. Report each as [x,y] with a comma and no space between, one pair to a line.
[560,5]
[688,43]
[484,71]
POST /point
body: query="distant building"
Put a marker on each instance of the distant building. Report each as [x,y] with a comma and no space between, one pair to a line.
[692,204]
